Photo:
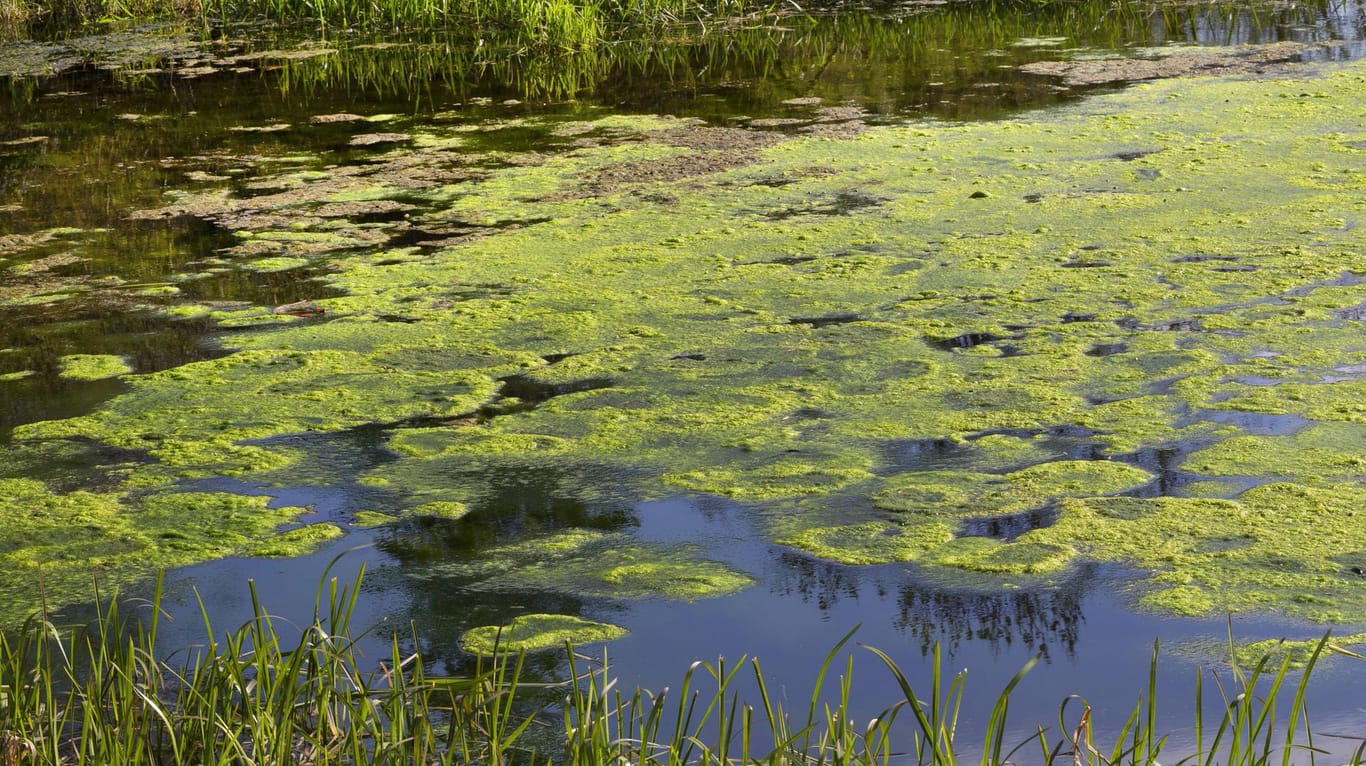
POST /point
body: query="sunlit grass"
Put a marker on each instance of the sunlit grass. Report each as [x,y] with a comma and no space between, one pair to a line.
[560,23]
[270,693]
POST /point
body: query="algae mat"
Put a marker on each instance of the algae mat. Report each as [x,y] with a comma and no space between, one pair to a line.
[1129,331]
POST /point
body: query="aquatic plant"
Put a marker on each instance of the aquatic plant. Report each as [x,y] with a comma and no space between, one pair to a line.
[271,692]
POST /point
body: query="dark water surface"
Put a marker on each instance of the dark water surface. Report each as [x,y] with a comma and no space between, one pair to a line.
[82,147]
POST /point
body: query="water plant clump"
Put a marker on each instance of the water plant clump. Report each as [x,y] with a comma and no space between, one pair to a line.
[120,532]
[591,563]
[537,632]
[1207,555]
[93,366]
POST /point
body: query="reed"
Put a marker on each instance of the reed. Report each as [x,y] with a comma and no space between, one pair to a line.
[13,13]
[268,693]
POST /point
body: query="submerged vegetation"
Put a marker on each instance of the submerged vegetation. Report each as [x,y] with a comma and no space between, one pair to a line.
[274,692]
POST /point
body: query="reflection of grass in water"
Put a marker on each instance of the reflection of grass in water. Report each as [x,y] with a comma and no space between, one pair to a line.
[505,33]
[923,53]
[259,694]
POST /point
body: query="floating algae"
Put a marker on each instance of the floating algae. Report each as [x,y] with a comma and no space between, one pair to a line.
[537,632]
[652,305]
[590,563]
[967,494]
[1209,555]
[93,366]
[67,535]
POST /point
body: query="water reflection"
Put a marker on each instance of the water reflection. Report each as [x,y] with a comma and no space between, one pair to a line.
[957,61]
[1045,619]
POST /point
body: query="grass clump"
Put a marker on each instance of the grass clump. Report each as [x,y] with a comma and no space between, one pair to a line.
[257,694]
[261,694]
[554,24]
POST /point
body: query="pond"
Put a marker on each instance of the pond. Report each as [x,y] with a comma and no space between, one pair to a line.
[929,321]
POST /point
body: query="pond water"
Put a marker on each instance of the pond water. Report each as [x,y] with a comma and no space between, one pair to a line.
[757,481]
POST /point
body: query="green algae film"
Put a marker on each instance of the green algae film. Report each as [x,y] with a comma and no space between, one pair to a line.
[1208,555]
[93,366]
[590,563]
[779,342]
[66,539]
[537,632]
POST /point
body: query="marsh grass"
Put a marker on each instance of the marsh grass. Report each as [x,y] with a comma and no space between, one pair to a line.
[13,13]
[254,695]
[269,692]
[568,24]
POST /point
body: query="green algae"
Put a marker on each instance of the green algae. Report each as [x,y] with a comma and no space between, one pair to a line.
[1228,555]
[601,564]
[538,632]
[1325,454]
[296,542]
[959,493]
[784,478]
[927,507]
[442,510]
[278,263]
[1343,401]
[871,542]
[1275,651]
[983,554]
[93,366]
[192,417]
[73,539]
[369,519]
[783,342]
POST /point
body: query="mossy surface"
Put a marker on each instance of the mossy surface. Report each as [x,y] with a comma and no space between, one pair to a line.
[984,554]
[66,538]
[654,303]
[538,632]
[871,542]
[960,493]
[1210,555]
[1325,454]
[367,519]
[296,542]
[1275,651]
[93,366]
[442,509]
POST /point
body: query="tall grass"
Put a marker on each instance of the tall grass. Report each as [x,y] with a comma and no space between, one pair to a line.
[14,12]
[266,693]
[255,695]
[559,23]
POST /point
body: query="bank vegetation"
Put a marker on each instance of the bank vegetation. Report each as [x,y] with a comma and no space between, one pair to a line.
[271,692]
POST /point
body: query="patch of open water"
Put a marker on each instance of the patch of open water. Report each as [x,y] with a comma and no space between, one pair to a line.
[1091,642]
